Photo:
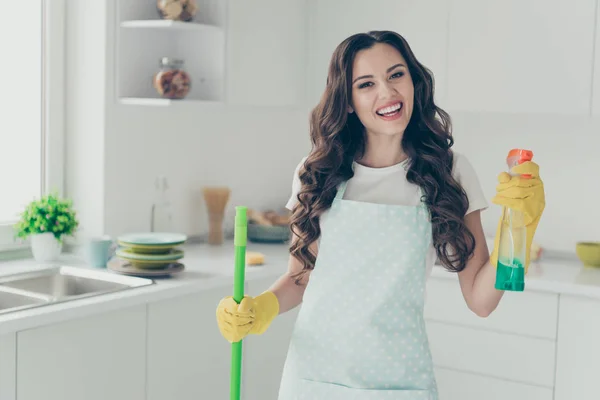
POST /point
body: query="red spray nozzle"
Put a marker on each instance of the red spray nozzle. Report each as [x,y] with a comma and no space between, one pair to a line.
[519,156]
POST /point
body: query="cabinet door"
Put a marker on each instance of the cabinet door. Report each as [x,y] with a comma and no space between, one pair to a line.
[93,358]
[578,350]
[332,21]
[266,52]
[465,386]
[521,56]
[264,355]
[188,359]
[8,372]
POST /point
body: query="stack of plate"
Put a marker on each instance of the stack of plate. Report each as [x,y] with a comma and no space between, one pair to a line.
[150,253]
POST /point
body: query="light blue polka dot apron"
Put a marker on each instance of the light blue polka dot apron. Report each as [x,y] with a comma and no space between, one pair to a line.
[360,333]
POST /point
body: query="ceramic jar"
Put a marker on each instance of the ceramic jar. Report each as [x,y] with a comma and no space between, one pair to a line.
[177,10]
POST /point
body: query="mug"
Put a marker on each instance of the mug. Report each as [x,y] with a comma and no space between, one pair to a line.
[99,251]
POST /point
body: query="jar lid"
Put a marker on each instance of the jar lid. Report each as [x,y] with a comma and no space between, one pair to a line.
[170,61]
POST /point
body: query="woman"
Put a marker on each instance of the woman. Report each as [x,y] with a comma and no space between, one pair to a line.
[379,198]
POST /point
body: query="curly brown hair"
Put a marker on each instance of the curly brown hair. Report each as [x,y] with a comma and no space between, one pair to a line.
[338,138]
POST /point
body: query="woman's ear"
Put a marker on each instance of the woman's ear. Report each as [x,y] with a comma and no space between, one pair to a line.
[350,110]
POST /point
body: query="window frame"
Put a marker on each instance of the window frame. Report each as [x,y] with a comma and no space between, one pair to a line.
[53,112]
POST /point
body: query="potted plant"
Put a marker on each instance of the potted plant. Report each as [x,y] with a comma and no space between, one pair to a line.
[47,220]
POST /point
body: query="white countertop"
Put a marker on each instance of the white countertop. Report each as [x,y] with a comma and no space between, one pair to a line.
[209,267]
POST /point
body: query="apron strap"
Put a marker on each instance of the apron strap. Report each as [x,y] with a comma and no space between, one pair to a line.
[341,190]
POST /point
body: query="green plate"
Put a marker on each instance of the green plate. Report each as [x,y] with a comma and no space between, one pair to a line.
[155,265]
[131,255]
[153,239]
[142,249]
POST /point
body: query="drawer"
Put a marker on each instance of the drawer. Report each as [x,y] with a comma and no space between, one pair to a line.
[455,385]
[522,313]
[505,356]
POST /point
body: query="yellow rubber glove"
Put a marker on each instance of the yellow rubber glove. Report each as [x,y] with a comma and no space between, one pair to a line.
[252,316]
[523,194]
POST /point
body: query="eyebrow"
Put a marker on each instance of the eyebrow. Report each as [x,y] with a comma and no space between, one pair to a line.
[388,71]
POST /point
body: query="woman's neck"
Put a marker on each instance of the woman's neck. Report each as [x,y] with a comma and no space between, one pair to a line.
[382,151]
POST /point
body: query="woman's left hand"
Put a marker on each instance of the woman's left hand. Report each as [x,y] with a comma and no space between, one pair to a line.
[523,192]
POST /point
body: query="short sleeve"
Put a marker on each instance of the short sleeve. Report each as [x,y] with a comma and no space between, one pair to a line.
[296,185]
[466,176]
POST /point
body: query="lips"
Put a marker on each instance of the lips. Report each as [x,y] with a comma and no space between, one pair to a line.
[390,110]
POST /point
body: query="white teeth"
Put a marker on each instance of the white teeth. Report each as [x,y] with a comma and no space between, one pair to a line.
[389,109]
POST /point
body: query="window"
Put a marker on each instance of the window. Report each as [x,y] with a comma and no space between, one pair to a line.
[32,117]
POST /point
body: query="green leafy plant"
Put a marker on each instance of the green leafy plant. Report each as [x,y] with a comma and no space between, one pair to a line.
[51,214]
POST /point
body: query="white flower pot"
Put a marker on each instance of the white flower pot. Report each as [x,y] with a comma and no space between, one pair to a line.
[45,247]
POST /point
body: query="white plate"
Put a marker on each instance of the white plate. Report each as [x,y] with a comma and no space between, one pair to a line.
[153,238]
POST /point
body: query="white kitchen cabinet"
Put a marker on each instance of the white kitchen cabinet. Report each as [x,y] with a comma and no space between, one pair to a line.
[93,358]
[578,351]
[328,26]
[188,359]
[264,355]
[458,385]
[508,355]
[266,57]
[445,303]
[8,377]
[493,354]
[521,56]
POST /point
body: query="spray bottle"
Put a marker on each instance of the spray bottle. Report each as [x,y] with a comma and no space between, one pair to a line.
[512,250]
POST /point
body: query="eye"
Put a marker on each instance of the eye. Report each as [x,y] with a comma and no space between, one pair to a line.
[398,74]
[365,84]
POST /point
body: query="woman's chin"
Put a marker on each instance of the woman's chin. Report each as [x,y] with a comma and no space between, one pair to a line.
[391,130]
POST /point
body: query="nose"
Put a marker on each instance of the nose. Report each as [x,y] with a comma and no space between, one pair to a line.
[387,90]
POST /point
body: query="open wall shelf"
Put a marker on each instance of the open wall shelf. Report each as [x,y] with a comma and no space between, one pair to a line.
[143,39]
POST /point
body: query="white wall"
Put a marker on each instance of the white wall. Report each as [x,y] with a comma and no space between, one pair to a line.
[254,151]
[508,76]
[564,147]
[85,117]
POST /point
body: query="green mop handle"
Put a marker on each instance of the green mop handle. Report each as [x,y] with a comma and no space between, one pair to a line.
[240,241]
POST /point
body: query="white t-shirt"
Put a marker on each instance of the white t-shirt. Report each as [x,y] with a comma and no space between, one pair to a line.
[388,185]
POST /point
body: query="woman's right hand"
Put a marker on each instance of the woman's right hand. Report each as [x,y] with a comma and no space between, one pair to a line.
[252,316]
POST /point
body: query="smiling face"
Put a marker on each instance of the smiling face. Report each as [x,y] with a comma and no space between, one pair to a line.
[382,90]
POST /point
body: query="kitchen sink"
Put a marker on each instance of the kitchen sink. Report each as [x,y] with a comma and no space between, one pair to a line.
[14,301]
[59,284]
